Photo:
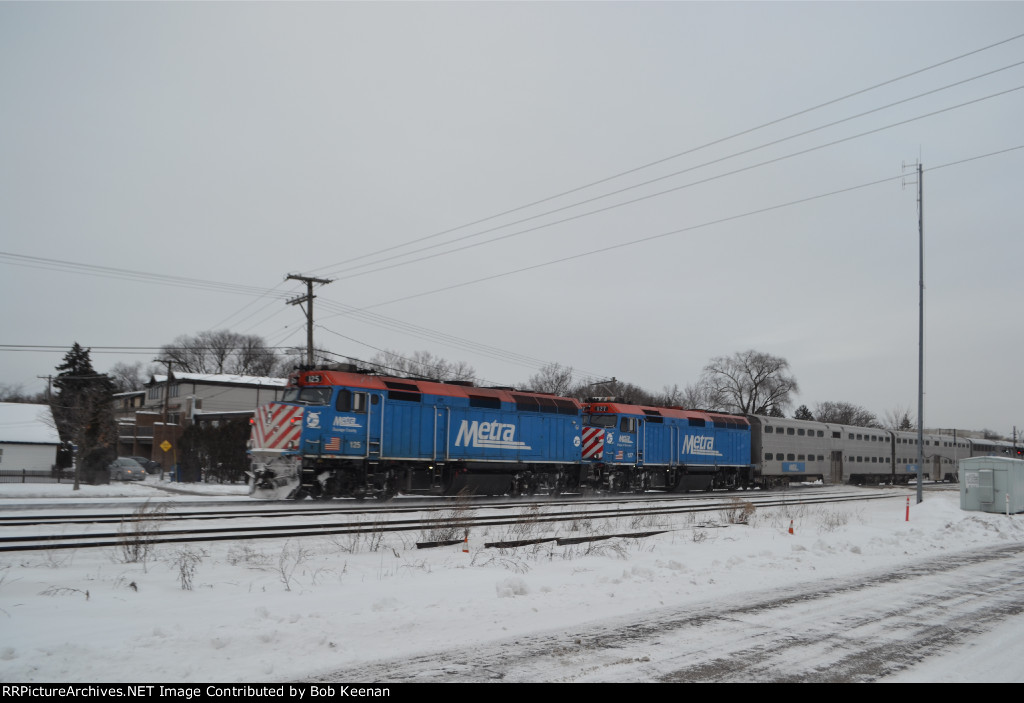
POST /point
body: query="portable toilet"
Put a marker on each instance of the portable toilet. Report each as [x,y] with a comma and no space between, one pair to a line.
[992,484]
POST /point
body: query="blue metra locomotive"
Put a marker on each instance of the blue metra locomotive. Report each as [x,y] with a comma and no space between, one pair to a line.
[633,447]
[343,433]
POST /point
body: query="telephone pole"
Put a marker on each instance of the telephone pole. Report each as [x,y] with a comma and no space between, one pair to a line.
[308,308]
[920,330]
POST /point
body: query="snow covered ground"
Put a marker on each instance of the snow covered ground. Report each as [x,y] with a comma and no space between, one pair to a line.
[268,611]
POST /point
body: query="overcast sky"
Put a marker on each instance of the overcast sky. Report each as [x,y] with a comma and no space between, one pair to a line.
[234,143]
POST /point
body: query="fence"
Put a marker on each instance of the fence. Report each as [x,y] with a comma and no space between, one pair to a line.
[37,476]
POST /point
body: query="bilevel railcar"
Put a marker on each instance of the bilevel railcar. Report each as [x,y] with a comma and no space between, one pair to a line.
[341,433]
[797,450]
[634,447]
[941,454]
[996,447]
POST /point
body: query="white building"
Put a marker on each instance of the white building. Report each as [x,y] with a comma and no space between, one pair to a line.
[28,437]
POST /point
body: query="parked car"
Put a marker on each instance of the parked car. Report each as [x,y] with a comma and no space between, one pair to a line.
[125,469]
[149,465]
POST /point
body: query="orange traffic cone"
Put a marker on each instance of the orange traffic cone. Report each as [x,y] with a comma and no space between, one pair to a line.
[465,545]
[790,527]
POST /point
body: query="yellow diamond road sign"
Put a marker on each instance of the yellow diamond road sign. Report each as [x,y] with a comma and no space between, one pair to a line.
[165,445]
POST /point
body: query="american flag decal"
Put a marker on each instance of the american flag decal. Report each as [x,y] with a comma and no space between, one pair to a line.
[333,444]
[593,443]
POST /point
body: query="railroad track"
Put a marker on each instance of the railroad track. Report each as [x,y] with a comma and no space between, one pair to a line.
[162,527]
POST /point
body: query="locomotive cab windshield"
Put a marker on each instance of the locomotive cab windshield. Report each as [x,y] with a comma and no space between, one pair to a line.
[307,396]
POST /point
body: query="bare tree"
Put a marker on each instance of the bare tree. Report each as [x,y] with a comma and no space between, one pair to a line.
[670,396]
[843,413]
[553,378]
[422,364]
[749,382]
[220,352]
[126,377]
[699,396]
[629,393]
[899,418]
[15,393]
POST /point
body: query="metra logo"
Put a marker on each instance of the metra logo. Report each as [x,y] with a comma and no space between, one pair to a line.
[497,435]
[340,421]
[696,444]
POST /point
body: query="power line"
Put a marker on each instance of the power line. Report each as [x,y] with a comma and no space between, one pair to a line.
[681,230]
[679,187]
[688,151]
[45,263]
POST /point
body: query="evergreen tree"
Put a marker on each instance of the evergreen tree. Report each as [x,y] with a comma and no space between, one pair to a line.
[83,411]
[803,413]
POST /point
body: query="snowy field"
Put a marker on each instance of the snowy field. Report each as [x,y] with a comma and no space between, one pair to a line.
[270,611]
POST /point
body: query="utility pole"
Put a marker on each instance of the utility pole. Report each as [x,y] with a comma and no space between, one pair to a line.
[920,331]
[49,383]
[308,309]
[163,429]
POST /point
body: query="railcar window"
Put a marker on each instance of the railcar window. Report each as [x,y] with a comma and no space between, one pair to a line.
[791,457]
[851,435]
[768,429]
[603,420]
[768,456]
[800,432]
[628,424]
[821,457]
[835,435]
[860,436]
[821,433]
[800,457]
[789,430]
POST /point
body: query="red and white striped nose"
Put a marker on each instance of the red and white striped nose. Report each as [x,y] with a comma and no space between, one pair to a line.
[593,443]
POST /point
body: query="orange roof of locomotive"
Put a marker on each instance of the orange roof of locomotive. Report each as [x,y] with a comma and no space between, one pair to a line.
[454,390]
[629,409]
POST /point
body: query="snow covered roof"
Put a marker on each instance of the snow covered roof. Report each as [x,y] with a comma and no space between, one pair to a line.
[27,424]
[221,378]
